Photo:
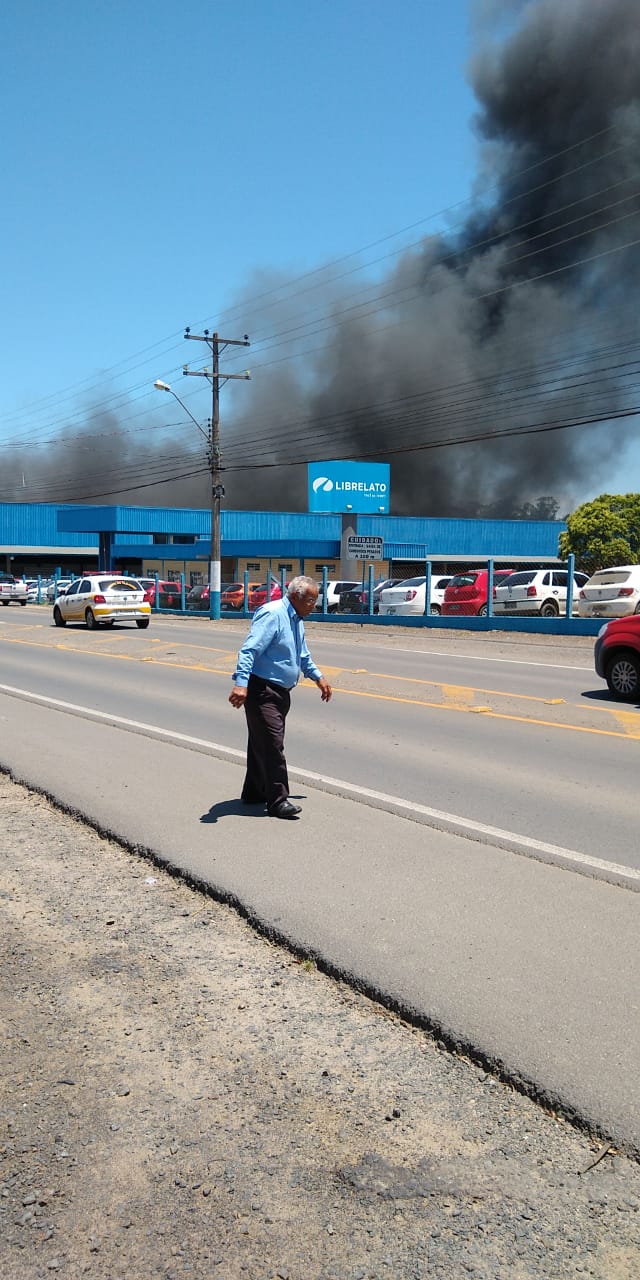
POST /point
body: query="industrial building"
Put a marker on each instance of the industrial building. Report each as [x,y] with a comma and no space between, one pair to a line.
[42,538]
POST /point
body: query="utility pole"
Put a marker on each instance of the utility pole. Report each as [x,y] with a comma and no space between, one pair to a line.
[215,345]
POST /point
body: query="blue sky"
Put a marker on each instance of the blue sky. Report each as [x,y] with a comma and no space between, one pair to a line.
[161,162]
[157,158]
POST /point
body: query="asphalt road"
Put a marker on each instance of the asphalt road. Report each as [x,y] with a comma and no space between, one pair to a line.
[530,967]
[516,733]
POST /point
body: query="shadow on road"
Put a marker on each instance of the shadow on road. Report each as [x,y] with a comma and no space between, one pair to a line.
[229,808]
[603,695]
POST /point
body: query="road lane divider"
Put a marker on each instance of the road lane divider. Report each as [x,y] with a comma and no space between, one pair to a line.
[454,824]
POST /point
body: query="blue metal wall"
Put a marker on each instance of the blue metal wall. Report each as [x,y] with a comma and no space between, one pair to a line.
[138,520]
[35,524]
[278,533]
[425,537]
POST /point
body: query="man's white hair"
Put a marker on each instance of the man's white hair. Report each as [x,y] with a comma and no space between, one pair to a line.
[301,585]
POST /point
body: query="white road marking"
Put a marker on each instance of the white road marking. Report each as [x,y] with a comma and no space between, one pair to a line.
[466,657]
[516,662]
[616,873]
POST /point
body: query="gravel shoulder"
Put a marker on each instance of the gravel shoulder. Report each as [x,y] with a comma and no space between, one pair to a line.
[180,1097]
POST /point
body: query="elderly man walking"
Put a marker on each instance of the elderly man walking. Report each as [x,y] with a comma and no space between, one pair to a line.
[268,668]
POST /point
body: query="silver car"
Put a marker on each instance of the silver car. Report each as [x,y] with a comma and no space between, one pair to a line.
[537,593]
[611,593]
[408,597]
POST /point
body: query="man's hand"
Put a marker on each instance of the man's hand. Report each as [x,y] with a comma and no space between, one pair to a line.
[325,689]
[238,695]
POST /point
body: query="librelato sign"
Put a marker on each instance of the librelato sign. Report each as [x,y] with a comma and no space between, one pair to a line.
[361,487]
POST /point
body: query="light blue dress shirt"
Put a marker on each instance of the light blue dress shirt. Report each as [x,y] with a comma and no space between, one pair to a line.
[275,648]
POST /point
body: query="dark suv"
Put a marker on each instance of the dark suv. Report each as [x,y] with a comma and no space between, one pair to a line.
[617,656]
[356,600]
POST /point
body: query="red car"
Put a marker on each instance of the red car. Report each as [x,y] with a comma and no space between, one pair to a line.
[232,595]
[169,593]
[467,593]
[264,592]
[617,656]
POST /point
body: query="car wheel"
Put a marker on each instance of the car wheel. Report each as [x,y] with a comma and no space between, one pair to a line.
[637,608]
[23,602]
[435,609]
[5,603]
[549,609]
[623,674]
[58,618]
[142,623]
[482,611]
[91,620]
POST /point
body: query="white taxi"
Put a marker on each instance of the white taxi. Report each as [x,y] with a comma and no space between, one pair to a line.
[100,599]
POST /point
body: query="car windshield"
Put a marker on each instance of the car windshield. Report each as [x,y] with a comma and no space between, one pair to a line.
[519,579]
[609,577]
[118,584]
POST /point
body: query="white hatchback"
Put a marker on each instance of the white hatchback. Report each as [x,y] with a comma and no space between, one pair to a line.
[611,593]
[408,597]
[536,593]
[102,599]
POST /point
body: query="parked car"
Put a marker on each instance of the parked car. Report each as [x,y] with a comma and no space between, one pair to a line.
[617,656]
[467,593]
[197,598]
[264,592]
[408,597]
[12,590]
[334,591]
[232,595]
[57,588]
[169,593]
[357,599]
[102,599]
[537,592]
[611,593]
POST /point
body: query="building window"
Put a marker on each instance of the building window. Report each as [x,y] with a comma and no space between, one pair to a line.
[330,568]
[159,539]
[286,567]
[253,567]
[183,539]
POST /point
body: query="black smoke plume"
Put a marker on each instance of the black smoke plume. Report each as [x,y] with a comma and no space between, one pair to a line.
[520,320]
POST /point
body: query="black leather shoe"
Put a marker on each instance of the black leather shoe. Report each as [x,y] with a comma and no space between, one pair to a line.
[285,810]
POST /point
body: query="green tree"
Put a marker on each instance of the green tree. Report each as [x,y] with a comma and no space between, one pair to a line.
[543,509]
[603,532]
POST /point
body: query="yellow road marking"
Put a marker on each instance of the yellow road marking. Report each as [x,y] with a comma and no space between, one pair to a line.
[438,684]
[494,715]
[629,720]
[456,695]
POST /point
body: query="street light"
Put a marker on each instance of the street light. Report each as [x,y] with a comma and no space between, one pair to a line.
[216,344]
[216,378]
[164,386]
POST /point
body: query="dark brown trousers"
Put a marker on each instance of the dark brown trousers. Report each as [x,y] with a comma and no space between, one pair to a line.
[266,707]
